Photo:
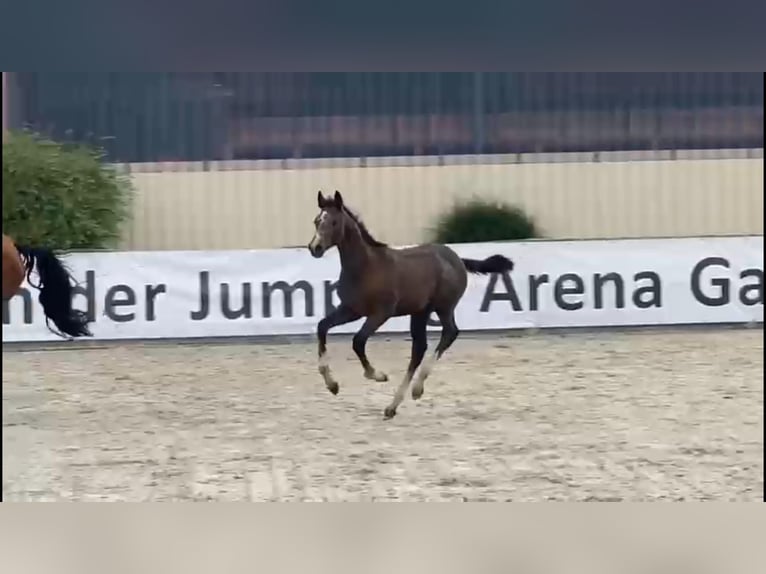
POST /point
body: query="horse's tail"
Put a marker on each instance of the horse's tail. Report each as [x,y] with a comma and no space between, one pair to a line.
[56,291]
[492,264]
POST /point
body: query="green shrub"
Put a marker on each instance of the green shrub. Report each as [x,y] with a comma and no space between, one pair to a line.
[479,220]
[61,196]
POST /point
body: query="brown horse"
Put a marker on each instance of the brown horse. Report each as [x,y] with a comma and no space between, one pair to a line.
[55,285]
[378,282]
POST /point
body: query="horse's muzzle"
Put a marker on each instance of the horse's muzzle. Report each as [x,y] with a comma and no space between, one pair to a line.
[316,250]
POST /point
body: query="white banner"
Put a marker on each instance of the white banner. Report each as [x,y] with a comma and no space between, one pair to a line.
[286,291]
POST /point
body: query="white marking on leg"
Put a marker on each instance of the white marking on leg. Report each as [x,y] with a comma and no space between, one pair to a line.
[399,394]
[425,369]
[426,366]
[375,375]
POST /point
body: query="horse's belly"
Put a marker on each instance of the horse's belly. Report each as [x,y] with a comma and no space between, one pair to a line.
[413,301]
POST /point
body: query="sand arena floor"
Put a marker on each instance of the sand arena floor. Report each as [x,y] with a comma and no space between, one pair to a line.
[638,415]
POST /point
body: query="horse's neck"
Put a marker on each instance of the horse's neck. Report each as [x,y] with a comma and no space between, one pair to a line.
[355,254]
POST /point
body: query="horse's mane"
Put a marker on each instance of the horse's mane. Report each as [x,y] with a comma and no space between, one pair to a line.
[366,236]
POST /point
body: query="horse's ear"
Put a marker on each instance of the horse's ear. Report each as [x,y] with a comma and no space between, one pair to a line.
[320,199]
[338,199]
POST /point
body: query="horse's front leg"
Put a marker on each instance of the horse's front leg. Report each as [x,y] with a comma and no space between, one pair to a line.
[372,324]
[339,316]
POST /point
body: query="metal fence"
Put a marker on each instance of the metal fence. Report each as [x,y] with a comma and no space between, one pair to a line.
[233,160]
[149,117]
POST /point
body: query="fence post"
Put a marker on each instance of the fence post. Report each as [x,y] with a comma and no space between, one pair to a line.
[5,106]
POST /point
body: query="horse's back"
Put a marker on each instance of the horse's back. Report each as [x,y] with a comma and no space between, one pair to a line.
[435,268]
[447,259]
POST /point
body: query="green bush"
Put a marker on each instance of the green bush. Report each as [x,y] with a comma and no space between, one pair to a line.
[479,220]
[61,196]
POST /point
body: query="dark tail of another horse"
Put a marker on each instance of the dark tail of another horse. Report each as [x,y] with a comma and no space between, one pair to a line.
[56,291]
[492,264]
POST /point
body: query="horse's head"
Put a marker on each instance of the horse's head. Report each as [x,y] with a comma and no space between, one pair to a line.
[329,224]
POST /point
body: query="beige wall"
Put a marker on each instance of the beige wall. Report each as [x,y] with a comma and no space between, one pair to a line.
[251,208]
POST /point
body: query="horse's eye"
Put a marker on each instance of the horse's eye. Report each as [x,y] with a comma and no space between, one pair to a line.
[334,223]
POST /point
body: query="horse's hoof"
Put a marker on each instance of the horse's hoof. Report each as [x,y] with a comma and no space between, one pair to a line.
[377,376]
[333,388]
[389,413]
[417,392]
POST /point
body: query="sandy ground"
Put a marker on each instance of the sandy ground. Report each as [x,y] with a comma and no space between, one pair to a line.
[639,416]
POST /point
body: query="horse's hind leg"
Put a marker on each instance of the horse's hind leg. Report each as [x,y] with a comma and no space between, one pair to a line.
[418,324]
[449,334]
